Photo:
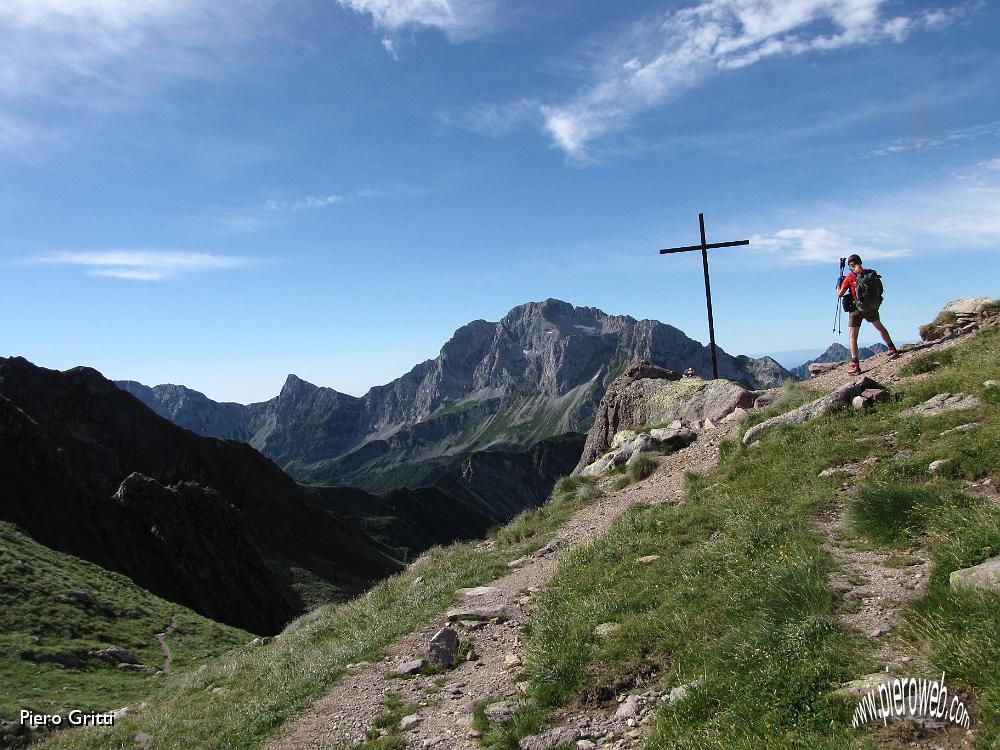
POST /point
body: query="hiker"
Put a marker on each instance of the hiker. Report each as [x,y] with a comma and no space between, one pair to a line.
[866,308]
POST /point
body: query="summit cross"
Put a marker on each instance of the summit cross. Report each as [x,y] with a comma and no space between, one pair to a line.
[705,247]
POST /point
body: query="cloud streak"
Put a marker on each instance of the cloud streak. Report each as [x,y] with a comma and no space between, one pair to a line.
[939,140]
[459,19]
[144,265]
[658,60]
[818,245]
[107,56]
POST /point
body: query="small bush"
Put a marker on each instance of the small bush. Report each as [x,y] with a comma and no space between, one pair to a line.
[568,485]
[641,467]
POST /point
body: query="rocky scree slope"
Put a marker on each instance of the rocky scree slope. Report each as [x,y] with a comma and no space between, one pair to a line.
[212,524]
[538,372]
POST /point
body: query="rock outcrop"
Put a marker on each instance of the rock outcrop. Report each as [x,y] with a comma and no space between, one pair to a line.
[631,403]
[844,394]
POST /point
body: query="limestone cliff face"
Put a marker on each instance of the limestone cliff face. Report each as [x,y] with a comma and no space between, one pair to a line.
[538,372]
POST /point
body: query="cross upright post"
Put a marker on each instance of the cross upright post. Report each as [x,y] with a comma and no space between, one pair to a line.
[705,247]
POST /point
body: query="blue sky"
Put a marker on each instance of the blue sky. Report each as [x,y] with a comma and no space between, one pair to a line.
[218,194]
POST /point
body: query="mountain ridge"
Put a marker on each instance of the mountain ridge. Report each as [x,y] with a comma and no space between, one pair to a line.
[537,372]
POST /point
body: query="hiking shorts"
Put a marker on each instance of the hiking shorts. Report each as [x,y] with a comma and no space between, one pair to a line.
[858,315]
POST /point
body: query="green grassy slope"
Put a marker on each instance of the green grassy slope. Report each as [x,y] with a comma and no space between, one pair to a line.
[46,634]
[739,596]
[241,699]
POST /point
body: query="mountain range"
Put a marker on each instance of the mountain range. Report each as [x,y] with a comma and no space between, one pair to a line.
[538,372]
[836,353]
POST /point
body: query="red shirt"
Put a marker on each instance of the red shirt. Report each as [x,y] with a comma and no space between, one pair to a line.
[850,282]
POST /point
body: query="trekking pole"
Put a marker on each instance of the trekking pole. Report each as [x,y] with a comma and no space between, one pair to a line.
[840,282]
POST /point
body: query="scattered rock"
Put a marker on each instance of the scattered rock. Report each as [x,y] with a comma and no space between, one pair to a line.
[550,739]
[936,467]
[477,591]
[628,708]
[879,631]
[648,559]
[585,745]
[941,403]
[410,721]
[690,373]
[646,369]
[821,368]
[549,548]
[512,660]
[499,711]
[121,713]
[991,384]
[417,582]
[472,624]
[607,629]
[115,655]
[766,399]
[962,428]
[478,613]
[408,667]
[986,576]
[519,562]
[681,692]
[442,647]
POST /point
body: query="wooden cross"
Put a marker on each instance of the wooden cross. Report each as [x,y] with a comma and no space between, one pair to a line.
[705,247]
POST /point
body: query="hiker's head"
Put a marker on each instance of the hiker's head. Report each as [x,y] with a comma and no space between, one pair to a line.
[854,260]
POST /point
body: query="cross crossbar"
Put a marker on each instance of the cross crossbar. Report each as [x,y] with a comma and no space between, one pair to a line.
[705,247]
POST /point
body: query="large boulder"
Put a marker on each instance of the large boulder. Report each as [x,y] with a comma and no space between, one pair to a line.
[986,576]
[844,394]
[629,404]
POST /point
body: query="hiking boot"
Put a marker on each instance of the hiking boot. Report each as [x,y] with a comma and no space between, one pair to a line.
[854,369]
[892,351]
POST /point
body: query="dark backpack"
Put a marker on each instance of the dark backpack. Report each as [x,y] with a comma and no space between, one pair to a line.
[869,291]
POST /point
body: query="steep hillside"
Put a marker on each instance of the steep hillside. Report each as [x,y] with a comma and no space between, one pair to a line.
[58,610]
[538,372]
[212,524]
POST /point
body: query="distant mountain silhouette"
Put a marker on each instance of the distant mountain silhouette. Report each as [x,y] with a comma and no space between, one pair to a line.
[837,353]
[537,373]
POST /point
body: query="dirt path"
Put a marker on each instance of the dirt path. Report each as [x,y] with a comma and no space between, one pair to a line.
[875,585]
[341,717]
[161,638]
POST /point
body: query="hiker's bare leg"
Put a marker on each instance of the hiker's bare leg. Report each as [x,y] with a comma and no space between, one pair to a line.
[854,341]
[885,334]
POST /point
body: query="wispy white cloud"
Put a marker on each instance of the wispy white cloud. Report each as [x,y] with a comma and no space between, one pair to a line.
[496,119]
[938,140]
[658,60]
[817,245]
[956,212]
[143,265]
[458,18]
[310,201]
[103,56]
